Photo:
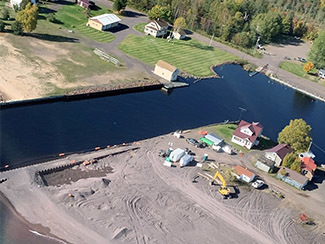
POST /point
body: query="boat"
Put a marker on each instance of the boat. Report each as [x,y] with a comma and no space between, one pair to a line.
[251,74]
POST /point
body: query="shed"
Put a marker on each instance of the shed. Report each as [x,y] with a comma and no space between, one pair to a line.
[214,138]
[166,70]
[103,22]
[292,177]
[177,154]
[264,164]
[185,160]
[179,34]
[83,3]
[244,174]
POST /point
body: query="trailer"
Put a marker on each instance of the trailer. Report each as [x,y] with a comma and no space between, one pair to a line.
[177,154]
[214,138]
[185,160]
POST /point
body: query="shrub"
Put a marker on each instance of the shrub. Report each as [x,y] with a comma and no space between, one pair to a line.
[17,28]
[4,13]
[51,17]
[2,26]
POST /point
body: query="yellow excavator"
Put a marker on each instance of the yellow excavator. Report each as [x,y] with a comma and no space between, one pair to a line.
[224,191]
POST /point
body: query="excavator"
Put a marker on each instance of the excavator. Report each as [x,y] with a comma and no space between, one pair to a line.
[224,191]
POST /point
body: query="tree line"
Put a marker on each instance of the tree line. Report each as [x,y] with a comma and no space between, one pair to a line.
[242,22]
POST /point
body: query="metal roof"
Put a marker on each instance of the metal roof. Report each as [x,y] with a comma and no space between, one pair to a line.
[106,19]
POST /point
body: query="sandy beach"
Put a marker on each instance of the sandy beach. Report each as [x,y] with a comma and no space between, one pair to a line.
[126,195]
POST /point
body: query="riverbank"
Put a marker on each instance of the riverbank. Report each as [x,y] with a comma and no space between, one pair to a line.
[140,199]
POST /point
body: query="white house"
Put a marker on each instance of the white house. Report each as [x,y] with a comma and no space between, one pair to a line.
[321,73]
[277,153]
[166,70]
[244,174]
[247,134]
[156,28]
[179,34]
[103,22]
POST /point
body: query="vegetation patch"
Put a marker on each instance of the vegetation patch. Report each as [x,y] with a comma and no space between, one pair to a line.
[140,27]
[190,56]
[82,63]
[298,69]
[75,18]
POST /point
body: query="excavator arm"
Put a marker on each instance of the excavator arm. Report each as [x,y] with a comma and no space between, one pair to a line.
[224,191]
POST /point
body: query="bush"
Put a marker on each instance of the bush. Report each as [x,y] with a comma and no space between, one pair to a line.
[4,13]
[17,28]
[51,17]
[2,26]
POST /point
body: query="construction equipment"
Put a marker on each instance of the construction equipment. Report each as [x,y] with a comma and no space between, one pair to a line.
[224,191]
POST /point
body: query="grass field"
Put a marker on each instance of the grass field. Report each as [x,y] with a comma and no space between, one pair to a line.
[191,56]
[140,27]
[74,17]
[298,69]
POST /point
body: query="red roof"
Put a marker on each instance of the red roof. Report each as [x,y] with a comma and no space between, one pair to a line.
[308,164]
[281,150]
[242,171]
[255,127]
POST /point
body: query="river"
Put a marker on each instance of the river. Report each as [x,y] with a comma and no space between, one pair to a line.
[33,133]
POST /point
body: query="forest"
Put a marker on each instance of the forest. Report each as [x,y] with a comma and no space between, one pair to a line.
[241,22]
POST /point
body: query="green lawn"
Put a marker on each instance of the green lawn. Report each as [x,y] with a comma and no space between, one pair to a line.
[74,17]
[140,27]
[298,69]
[191,56]
[225,132]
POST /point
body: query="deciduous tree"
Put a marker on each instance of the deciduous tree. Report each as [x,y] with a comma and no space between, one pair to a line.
[119,5]
[179,23]
[296,134]
[4,13]
[289,159]
[296,165]
[28,17]
[317,51]
[308,67]
[160,12]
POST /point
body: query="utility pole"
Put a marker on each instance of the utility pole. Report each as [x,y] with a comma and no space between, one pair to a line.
[241,112]
[211,39]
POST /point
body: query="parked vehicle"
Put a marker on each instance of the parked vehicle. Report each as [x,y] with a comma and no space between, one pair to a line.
[303,60]
[193,142]
[258,184]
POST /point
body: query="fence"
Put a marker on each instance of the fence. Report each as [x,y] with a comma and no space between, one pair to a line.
[107,57]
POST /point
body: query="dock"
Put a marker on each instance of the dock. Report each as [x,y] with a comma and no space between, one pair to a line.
[173,84]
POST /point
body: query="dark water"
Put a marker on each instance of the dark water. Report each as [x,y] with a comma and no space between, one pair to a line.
[34,132]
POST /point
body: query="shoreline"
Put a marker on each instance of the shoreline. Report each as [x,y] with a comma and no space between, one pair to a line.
[40,229]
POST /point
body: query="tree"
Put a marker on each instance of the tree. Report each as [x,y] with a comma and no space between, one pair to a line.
[296,134]
[4,13]
[17,28]
[308,67]
[28,17]
[241,39]
[179,23]
[2,26]
[160,12]
[296,165]
[317,51]
[289,159]
[119,5]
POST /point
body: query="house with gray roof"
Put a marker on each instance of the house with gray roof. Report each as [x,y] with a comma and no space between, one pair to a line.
[292,177]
